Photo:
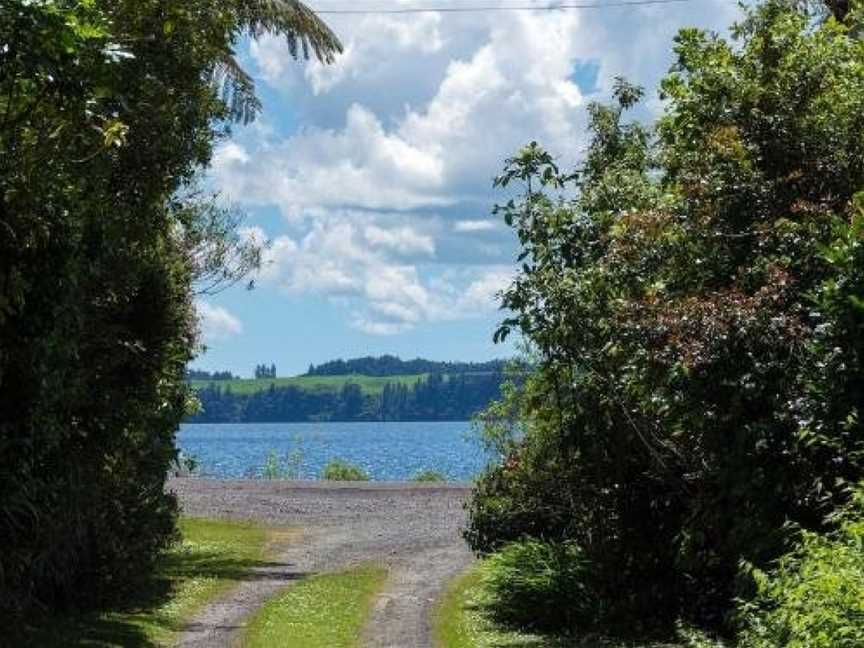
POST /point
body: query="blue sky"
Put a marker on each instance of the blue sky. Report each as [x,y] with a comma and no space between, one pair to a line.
[371,178]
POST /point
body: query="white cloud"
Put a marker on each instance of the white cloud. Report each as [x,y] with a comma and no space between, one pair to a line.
[402,240]
[384,295]
[377,38]
[512,86]
[482,293]
[378,328]
[464,226]
[421,109]
[383,185]
[361,166]
[216,322]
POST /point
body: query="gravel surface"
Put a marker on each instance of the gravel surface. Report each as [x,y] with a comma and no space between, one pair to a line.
[413,529]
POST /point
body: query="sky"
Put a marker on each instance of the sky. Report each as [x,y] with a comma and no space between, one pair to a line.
[371,179]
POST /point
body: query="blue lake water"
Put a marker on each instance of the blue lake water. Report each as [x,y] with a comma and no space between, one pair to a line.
[387,451]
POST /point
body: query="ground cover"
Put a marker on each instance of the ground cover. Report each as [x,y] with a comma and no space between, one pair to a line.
[460,622]
[324,611]
[212,556]
[369,384]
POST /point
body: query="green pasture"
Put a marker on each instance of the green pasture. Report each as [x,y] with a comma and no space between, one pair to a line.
[369,384]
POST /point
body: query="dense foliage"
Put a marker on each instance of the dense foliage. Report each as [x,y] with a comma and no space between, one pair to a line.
[108,109]
[434,398]
[388,365]
[698,311]
[814,596]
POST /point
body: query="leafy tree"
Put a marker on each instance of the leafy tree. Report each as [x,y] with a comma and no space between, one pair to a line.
[108,111]
[698,312]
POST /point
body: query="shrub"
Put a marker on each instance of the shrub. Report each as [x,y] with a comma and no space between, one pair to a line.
[694,297]
[511,502]
[340,470]
[814,596]
[428,475]
[536,585]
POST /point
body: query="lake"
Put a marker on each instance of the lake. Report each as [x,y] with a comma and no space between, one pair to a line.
[387,451]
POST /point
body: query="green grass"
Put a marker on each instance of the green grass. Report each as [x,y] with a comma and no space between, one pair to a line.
[369,384]
[459,622]
[213,555]
[324,611]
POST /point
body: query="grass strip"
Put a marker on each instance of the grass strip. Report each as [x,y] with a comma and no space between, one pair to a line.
[213,556]
[324,611]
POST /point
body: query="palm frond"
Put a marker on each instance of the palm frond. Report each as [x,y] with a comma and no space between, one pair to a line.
[304,31]
[235,87]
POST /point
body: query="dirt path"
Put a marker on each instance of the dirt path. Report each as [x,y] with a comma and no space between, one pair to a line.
[413,529]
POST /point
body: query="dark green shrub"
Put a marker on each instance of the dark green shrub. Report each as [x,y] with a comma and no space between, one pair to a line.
[537,585]
[513,501]
[340,470]
[694,298]
[814,596]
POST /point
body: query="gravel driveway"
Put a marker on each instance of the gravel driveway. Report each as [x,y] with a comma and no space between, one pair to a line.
[413,529]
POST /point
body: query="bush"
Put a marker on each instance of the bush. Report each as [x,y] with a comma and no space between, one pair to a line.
[814,596]
[535,585]
[340,470]
[428,475]
[694,297]
[511,502]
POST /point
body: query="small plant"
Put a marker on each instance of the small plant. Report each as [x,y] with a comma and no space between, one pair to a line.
[289,467]
[272,466]
[428,475]
[534,585]
[185,465]
[293,464]
[294,458]
[341,470]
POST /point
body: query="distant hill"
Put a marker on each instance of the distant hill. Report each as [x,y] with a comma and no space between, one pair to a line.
[431,391]
[388,365]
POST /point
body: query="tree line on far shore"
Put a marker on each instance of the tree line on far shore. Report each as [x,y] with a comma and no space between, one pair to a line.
[438,397]
[389,365]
